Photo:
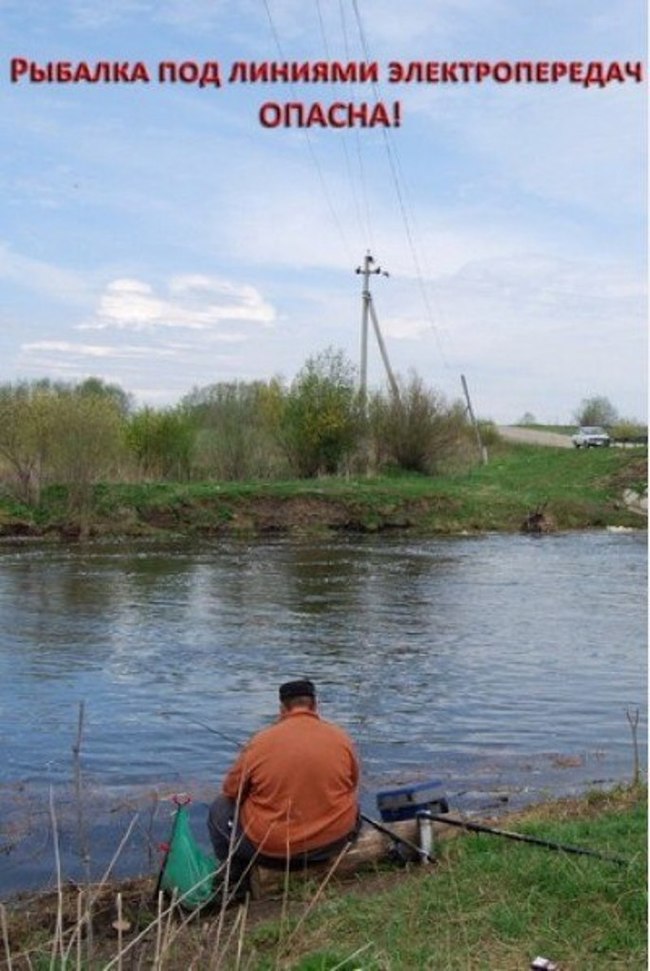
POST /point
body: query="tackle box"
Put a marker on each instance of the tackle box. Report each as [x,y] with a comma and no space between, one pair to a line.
[406,802]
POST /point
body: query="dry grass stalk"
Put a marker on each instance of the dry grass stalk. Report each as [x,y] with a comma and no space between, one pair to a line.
[351,957]
[187,920]
[164,944]
[285,905]
[319,892]
[120,929]
[242,932]
[632,715]
[227,898]
[163,921]
[86,919]
[161,897]
[80,913]
[5,936]
[84,848]
[57,943]
[222,949]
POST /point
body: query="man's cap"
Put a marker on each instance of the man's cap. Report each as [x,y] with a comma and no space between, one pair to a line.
[297,689]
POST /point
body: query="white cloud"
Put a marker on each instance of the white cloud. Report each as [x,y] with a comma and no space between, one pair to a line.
[208,318]
[123,351]
[192,302]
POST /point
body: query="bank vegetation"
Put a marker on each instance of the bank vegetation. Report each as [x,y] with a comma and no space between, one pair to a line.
[79,460]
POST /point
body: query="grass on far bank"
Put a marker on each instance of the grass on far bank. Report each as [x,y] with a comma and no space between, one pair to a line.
[489,903]
[578,488]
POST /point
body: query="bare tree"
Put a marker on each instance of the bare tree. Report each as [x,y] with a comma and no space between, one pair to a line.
[597,410]
[416,430]
[25,425]
[86,441]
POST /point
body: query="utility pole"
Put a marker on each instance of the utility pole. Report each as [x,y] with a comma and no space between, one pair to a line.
[368,312]
[482,451]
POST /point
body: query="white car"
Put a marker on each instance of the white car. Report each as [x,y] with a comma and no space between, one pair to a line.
[591,436]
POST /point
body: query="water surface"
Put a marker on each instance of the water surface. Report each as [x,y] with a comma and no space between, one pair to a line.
[501,665]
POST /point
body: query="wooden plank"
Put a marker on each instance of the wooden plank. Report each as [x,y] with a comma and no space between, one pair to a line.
[370,846]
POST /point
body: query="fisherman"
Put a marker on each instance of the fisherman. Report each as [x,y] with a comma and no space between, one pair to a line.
[291,795]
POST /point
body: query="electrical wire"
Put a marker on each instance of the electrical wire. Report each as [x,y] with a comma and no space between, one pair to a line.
[312,152]
[394,168]
[393,164]
[358,144]
[343,140]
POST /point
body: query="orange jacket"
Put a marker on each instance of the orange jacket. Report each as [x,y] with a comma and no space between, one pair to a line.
[297,785]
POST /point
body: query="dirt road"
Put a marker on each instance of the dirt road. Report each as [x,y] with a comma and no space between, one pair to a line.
[532,436]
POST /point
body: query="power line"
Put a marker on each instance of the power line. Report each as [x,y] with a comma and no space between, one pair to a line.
[393,163]
[348,163]
[365,214]
[312,153]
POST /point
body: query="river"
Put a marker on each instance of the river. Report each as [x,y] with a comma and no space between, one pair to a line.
[504,666]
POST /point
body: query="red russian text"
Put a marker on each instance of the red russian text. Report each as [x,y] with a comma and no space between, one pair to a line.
[340,114]
[70,72]
[307,72]
[520,72]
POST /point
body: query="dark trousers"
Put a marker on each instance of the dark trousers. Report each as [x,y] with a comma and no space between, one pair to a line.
[228,838]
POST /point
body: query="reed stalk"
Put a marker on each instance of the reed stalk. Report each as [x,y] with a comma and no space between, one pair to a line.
[120,929]
[84,848]
[5,936]
[57,943]
[92,899]
[632,715]
[240,939]
[159,922]
[319,893]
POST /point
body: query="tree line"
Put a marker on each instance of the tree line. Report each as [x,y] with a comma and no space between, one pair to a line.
[80,434]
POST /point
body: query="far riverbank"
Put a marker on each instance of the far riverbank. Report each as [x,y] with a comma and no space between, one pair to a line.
[572,489]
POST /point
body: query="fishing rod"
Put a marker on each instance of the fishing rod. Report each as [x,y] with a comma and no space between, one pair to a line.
[208,728]
[439,818]
[367,819]
[520,837]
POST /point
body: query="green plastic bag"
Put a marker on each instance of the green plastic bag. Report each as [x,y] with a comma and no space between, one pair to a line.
[187,870]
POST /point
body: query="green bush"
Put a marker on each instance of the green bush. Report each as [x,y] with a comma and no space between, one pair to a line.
[320,424]
[236,426]
[416,430]
[161,443]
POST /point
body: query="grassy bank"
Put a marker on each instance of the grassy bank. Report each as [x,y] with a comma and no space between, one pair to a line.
[578,489]
[488,903]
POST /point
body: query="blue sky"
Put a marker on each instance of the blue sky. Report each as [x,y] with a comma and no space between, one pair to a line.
[159,237]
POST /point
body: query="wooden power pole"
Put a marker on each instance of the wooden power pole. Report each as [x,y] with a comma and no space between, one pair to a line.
[482,452]
[368,313]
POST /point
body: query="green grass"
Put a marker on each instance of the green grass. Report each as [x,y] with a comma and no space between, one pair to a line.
[488,903]
[579,489]
[492,903]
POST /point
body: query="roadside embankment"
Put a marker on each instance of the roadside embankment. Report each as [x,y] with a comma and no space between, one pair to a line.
[575,489]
